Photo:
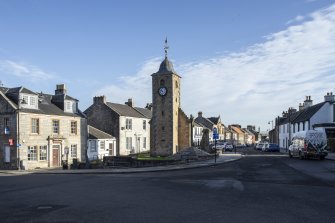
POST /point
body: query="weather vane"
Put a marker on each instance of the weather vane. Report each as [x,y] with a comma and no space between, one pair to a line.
[166,47]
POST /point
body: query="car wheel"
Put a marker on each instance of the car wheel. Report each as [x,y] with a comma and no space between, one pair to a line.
[289,154]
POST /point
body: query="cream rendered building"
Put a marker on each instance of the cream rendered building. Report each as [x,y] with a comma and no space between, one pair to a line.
[44,129]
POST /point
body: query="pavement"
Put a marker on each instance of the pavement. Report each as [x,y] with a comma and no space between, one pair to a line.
[222,158]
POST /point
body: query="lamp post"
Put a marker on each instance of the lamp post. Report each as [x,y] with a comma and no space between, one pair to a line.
[289,126]
[192,119]
[271,123]
[20,102]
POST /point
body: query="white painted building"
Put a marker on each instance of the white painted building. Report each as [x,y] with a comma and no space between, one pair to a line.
[306,118]
[197,133]
[130,125]
[100,144]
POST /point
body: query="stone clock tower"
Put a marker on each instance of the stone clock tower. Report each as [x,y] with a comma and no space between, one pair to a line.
[166,109]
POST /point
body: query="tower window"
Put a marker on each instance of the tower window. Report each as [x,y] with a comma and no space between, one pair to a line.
[162,113]
[162,82]
[176,84]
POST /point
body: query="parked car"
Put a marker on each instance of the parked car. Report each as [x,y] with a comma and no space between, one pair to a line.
[259,146]
[219,146]
[309,144]
[270,147]
[229,147]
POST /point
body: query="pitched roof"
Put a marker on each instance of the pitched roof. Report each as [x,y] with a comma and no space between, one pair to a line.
[94,133]
[248,131]
[46,107]
[205,122]
[20,90]
[125,110]
[308,113]
[303,115]
[215,120]
[237,129]
[144,111]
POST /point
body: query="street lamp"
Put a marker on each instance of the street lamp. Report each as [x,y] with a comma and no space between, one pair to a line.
[20,102]
[271,123]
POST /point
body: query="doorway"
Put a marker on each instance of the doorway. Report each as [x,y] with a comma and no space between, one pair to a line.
[55,155]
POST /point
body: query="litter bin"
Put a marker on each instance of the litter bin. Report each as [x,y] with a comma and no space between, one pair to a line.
[65,165]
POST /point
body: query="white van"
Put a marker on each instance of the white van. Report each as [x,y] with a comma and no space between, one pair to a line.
[309,144]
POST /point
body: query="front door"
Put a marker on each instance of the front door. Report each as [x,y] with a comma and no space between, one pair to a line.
[7,154]
[138,145]
[55,155]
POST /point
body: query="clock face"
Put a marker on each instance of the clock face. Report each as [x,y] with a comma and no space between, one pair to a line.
[162,91]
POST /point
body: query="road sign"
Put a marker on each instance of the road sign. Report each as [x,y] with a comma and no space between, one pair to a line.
[215,133]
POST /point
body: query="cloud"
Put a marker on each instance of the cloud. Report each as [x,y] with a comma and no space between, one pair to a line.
[257,84]
[298,18]
[24,70]
[136,86]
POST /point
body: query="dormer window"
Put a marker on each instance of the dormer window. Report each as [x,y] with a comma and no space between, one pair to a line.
[32,101]
[28,101]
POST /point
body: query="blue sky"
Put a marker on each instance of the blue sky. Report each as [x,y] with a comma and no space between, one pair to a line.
[244,60]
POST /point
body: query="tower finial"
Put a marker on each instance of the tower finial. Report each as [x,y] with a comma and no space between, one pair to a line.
[166,47]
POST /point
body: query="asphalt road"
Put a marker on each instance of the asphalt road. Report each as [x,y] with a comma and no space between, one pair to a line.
[257,188]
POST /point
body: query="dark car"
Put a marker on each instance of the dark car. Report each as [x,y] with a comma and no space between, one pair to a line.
[272,147]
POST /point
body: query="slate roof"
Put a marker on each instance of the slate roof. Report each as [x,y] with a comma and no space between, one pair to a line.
[125,110]
[215,120]
[166,67]
[205,122]
[45,106]
[94,133]
[248,131]
[17,90]
[308,113]
[3,89]
[303,115]
[144,111]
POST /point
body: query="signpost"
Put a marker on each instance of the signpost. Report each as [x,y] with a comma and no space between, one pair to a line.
[215,137]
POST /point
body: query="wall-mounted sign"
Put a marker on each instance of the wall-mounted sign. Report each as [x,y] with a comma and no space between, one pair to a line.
[7,131]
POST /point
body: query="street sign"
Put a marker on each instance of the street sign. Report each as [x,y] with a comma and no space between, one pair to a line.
[18,145]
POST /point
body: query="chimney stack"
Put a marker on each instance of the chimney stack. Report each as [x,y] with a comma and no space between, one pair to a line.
[329,97]
[200,114]
[99,99]
[301,106]
[130,102]
[149,106]
[60,89]
[308,102]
